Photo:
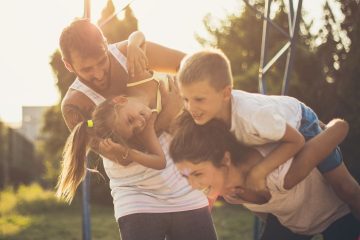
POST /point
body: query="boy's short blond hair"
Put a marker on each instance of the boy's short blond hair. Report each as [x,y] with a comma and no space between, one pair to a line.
[211,65]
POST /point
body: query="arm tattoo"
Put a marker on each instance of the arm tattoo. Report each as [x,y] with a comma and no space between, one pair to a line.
[73,115]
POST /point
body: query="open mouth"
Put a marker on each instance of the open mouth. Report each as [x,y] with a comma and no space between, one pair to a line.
[197,115]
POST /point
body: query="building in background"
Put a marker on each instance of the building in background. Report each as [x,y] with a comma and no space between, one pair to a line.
[32,119]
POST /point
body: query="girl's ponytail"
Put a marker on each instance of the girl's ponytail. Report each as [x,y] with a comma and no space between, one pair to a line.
[73,169]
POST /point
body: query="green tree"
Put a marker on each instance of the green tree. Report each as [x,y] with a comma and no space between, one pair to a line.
[324,76]
[239,37]
[349,84]
[54,131]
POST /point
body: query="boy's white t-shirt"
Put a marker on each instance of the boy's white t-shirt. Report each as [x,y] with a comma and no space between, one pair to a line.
[258,119]
[308,208]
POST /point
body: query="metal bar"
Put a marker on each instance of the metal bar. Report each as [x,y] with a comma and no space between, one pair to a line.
[87,9]
[108,19]
[291,17]
[86,226]
[266,18]
[276,57]
[291,52]
[264,43]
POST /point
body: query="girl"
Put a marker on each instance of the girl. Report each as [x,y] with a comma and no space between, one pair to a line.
[212,160]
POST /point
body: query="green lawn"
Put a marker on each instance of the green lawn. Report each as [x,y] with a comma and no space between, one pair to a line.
[32,213]
[45,218]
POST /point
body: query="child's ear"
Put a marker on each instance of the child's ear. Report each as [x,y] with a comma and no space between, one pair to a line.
[227,92]
[226,161]
[120,100]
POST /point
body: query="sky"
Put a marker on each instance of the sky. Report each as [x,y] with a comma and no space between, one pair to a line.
[30,32]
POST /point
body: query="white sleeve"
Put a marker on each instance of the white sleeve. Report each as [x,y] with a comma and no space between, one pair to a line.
[268,123]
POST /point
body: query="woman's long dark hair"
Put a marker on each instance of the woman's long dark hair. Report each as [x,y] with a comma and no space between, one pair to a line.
[208,142]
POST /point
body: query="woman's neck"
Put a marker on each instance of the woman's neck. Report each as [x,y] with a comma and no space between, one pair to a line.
[237,173]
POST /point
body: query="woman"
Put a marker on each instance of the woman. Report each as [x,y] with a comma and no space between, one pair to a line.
[212,160]
[149,204]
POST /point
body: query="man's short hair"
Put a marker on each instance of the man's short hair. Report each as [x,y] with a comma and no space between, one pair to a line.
[83,37]
[211,65]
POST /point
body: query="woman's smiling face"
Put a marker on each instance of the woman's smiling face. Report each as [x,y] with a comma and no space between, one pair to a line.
[204,176]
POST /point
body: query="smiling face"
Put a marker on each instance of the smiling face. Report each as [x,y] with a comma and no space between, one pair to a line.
[131,116]
[203,101]
[92,70]
[204,176]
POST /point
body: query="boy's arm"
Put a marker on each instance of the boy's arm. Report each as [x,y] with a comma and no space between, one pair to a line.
[291,142]
[314,151]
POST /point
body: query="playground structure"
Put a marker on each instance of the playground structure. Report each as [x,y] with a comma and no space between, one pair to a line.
[265,64]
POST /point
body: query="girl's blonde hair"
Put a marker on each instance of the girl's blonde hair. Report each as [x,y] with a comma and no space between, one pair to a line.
[73,168]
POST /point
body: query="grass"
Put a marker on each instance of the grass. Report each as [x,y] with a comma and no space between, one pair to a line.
[31,213]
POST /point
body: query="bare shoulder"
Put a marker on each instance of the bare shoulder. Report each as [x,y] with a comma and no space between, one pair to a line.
[76,107]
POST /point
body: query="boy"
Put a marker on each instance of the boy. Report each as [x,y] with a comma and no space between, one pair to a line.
[206,82]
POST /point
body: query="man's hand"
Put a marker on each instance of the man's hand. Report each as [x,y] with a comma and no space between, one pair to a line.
[114,151]
[256,180]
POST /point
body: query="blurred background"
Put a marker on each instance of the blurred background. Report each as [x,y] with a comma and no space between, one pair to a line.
[33,81]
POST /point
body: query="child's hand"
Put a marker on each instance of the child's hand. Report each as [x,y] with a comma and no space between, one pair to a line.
[149,130]
[114,151]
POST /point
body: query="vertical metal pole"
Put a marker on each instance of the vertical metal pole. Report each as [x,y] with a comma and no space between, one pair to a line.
[262,85]
[87,9]
[86,226]
[264,43]
[291,17]
[291,52]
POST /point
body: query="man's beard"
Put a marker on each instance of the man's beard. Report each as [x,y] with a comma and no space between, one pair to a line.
[90,82]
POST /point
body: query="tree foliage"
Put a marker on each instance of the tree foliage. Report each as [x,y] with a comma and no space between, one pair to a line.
[324,76]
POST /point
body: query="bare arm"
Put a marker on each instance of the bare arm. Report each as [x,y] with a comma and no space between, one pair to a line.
[73,114]
[315,150]
[159,58]
[154,158]
[290,144]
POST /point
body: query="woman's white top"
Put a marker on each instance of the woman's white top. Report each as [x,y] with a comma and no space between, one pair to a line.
[308,208]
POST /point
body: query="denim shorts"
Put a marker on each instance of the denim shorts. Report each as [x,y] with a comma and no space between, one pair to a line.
[309,128]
